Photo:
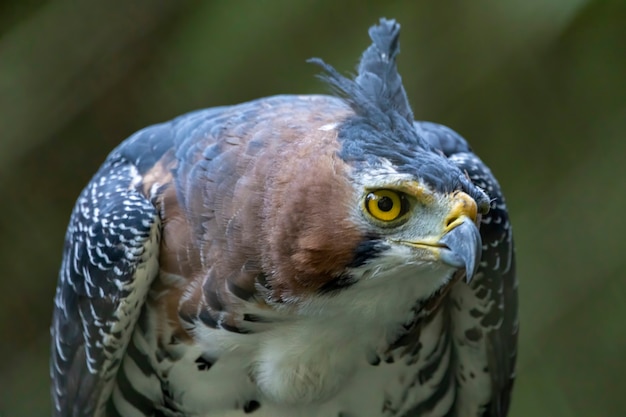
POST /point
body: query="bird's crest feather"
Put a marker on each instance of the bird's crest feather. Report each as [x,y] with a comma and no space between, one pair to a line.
[377,88]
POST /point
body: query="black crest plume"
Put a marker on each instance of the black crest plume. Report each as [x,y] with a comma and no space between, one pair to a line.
[377,87]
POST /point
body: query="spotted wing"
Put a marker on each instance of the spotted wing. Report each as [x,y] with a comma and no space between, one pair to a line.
[484,314]
[109,263]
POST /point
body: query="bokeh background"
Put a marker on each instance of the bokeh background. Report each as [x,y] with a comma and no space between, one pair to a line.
[538,87]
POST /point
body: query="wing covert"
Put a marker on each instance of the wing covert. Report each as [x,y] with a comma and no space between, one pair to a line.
[484,314]
[109,262]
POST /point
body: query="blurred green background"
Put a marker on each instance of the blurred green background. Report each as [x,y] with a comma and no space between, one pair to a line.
[538,88]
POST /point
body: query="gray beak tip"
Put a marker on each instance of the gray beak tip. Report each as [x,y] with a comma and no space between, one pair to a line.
[463,248]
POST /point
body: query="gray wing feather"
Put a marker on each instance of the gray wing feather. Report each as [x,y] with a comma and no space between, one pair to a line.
[109,262]
[483,314]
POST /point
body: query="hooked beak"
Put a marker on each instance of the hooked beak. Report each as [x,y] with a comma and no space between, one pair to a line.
[461,246]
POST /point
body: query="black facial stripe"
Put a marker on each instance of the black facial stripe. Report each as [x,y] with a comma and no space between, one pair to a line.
[368,249]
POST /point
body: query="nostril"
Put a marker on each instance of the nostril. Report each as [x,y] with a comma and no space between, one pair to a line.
[450,220]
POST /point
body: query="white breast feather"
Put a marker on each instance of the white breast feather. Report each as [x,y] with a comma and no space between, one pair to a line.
[313,361]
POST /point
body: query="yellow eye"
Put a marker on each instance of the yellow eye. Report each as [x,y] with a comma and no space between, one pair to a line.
[386,205]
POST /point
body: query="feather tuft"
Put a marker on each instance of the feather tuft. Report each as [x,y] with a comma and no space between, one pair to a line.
[378,86]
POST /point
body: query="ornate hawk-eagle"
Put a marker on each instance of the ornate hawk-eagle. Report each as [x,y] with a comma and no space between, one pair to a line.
[312,256]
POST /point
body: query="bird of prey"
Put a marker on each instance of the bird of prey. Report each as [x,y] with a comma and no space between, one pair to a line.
[292,256]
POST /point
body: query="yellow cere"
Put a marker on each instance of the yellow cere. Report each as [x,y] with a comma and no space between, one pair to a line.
[384,205]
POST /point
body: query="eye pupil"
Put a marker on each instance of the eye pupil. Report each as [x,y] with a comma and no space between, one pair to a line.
[385,204]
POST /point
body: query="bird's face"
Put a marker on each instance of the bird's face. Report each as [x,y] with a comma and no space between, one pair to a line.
[411,229]
[344,218]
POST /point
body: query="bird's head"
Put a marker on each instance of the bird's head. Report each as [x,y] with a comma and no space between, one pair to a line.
[410,226]
[410,213]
